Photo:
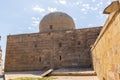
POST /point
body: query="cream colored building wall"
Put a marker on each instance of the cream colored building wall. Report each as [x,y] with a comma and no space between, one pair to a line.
[106,50]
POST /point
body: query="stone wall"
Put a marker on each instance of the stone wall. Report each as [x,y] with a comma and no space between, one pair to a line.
[59,49]
[106,50]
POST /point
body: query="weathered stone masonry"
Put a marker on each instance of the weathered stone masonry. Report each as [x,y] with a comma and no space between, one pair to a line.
[106,49]
[58,49]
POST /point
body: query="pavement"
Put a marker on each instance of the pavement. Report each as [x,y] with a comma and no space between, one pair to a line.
[74,77]
[68,78]
[72,74]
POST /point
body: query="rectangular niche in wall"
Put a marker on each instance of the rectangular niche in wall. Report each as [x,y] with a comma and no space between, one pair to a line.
[79,42]
[39,59]
[60,58]
[51,26]
[35,45]
[60,44]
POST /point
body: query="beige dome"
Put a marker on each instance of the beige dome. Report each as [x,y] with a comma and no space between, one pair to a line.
[56,21]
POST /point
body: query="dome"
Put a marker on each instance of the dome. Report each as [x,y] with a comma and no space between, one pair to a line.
[56,21]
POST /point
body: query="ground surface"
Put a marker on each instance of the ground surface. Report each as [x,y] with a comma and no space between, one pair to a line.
[74,78]
[67,78]
[82,74]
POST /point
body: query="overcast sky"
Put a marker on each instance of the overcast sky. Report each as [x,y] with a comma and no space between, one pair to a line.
[23,16]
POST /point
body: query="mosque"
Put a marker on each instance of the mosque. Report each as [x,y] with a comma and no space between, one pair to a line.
[60,45]
[57,45]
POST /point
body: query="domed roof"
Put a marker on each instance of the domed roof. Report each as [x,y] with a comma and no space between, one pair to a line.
[56,21]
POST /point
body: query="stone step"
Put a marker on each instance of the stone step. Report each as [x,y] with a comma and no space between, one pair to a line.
[73,72]
[87,73]
[78,72]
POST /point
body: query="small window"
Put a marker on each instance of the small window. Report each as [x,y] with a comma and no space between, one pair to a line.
[60,58]
[28,35]
[60,44]
[79,42]
[35,45]
[39,59]
[51,26]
